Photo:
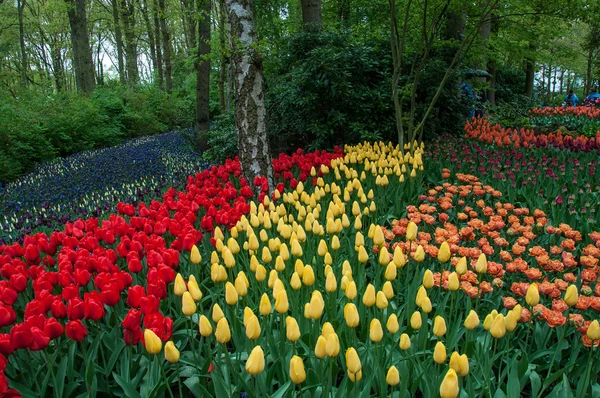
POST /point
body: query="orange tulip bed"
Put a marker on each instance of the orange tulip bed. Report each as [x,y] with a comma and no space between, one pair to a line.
[379,271]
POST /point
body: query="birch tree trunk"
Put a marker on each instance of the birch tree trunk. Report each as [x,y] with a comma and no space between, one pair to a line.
[250,110]
[311,15]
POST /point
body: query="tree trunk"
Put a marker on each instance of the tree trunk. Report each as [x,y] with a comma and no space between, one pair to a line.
[151,40]
[82,53]
[159,60]
[491,94]
[203,76]
[118,40]
[344,11]
[224,50]
[24,63]
[311,15]
[189,23]
[128,18]
[57,65]
[455,26]
[529,75]
[250,110]
[166,45]
[588,76]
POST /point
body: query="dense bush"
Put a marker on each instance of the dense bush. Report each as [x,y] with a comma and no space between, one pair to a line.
[37,127]
[222,139]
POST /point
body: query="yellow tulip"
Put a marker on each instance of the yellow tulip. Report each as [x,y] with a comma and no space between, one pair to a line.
[217,313]
[351,315]
[171,352]
[297,372]
[472,320]
[510,321]
[194,289]
[498,327]
[204,326]
[233,246]
[327,330]
[253,328]
[517,309]
[363,257]
[393,376]
[481,265]
[404,342]
[399,259]
[308,276]
[195,256]
[353,360]
[354,377]
[388,290]
[231,295]
[593,332]
[292,331]
[180,286]
[533,295]
[439,353]
[461,266]
[281,302]
[489,319]
[375,330]
[416,320]
[223,333]
[453,282]
[350,291]
[321,347]
[444,252]
[261,273]
[335,242]
[411,231]
[384,257]
[391,272]
[419,254]
[330,282]
[228,258]
[369,297]
[265,305]
[378,238]
[392,324]
[322,249]
[295,282]
[152,342]
[381,301]
[439,326]
[241,287]
[428,279]
[188,305]
[449,386]
[571,295]
[316,305]
[332,346]
[256,361]
[426,305]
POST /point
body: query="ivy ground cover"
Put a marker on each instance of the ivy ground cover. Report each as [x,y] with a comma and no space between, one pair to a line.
[368,272]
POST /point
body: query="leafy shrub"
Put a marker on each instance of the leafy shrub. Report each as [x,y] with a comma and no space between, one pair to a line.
[222,139]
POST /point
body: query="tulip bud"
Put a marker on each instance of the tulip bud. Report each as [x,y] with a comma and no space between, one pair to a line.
[195,256]
[399,259]
[392,324]
[416,320]
[404,342]
[292,331]
[388,290]
[321,347]
[381,301]
[439,326]
[428,279]
[593,332]
[510,321]
[391,272]
[419,254]
[517,309]
[426,305]
[231,296]
[204,326]
[351,315]
[354,377]
[295,282]
[217,313]
[265,305]
[350,291]
[353,360]
[171,352]
[464,365]
[384,257]
[194,289]
[363,257]
[472,320]
[308,276]
[461,266]
[533,295]
[281,302]
[241,286]
[411,231]
[378,238]
[223,333]
[375,330]
[571,295]
[180,286]
[453,281]
[393,376]
[332,346]
[489,319]
[498,327]
[188,305]
[369,297]
[330,283]
[481,265]
[439,353]
[253,328]
[449,386]
[256,361]
[261,273]
[444,252]
[297,372]
[152,342]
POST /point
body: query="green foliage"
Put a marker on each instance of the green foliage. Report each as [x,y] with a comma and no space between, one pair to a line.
[35,127]
[222,139]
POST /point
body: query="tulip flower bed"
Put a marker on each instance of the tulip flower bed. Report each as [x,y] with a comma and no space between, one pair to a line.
[585,120]
[481,129]
[91,183]
[352,279]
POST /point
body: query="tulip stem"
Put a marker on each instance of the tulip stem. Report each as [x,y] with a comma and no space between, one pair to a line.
[179,379]
[51,372]
[164,375]
[192,345]
[562,336]
[588,370]
[489,384]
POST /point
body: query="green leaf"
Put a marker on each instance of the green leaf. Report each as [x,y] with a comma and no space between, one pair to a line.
[220,390]
[199,391]
[536,383]
[280,393]
[128,388]
[114,357]
[90,373]
[60,377]
[514,387]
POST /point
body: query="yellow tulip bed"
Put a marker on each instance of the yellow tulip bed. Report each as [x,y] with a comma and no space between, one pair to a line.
[345,289]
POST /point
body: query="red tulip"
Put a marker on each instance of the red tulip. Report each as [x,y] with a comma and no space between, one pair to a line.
[132,337]
[132,320]
[58,309]
[53,328]
[149,304]
[6,347]
[93,309]
[21,336]
[40,339]
[75,309]
[7,315]
[76,330]
[18,282]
